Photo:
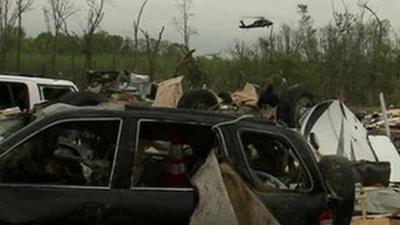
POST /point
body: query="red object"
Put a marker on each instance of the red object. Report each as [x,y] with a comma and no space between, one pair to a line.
[174,174]
[324,216]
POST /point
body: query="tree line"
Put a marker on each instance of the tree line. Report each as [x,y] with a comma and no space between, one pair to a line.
[354,57]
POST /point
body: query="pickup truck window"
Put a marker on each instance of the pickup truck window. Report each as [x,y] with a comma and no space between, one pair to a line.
[5,96]
[13,95]
[273,163]
[68,153]
[51,92]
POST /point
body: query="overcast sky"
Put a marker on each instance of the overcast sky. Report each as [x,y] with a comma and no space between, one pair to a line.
[215,20]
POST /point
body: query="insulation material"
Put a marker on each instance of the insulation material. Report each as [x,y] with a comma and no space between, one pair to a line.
[247,96]
[222,195]
[169,92]
[214,205]
[255,212]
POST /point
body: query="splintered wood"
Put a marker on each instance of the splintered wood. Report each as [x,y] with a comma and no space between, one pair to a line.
[375,220]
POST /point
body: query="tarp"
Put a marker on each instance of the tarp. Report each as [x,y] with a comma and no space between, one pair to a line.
[225,199]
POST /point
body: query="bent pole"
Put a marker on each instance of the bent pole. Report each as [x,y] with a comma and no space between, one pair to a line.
[385,113]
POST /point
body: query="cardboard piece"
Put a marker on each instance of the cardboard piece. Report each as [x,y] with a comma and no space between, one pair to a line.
[247,96]
[169,92]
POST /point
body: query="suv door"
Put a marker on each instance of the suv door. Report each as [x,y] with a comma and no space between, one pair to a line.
[283,178]
[61,173]
[160,191]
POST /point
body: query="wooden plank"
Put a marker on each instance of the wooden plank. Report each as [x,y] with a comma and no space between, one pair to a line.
[375,221]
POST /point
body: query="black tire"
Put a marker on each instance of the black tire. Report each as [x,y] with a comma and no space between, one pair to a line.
[198,99]
[80,99]
[294,105]
[338,175]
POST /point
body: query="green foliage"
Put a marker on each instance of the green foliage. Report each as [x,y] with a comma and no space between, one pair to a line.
[350,58]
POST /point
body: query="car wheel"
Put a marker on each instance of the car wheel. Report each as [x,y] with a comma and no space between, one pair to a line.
[198,99]
[338,176]
[80,99]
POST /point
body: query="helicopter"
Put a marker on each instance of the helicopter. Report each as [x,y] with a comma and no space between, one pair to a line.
[260,22]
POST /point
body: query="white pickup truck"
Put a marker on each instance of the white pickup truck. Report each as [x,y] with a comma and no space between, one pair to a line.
[26,91]
[21,93]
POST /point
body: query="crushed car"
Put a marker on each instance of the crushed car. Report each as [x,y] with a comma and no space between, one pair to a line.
[333,129]
[135,165]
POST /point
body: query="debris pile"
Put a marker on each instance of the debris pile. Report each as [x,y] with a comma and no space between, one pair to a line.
[376,121]
[333,129]
[375,124]
[9,112]
[124,86]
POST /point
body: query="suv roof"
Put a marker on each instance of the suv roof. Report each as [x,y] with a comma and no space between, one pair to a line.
[36,80]
[185,114]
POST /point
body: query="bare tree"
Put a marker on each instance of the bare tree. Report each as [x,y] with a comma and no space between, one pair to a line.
[136,27]
[22,7]
[8,18]
[365,6]
[152,50]
[95,16]
[182,23]
[60,11]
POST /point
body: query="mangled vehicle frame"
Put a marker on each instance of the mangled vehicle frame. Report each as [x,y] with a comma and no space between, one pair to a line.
[145,165]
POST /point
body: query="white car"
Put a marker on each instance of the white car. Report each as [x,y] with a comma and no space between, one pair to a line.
[26,91]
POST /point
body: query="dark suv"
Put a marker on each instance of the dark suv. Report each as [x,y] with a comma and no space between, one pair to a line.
[100,166]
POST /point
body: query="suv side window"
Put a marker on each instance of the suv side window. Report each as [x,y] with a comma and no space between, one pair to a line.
[168,154]
[68,153]
[273,163]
